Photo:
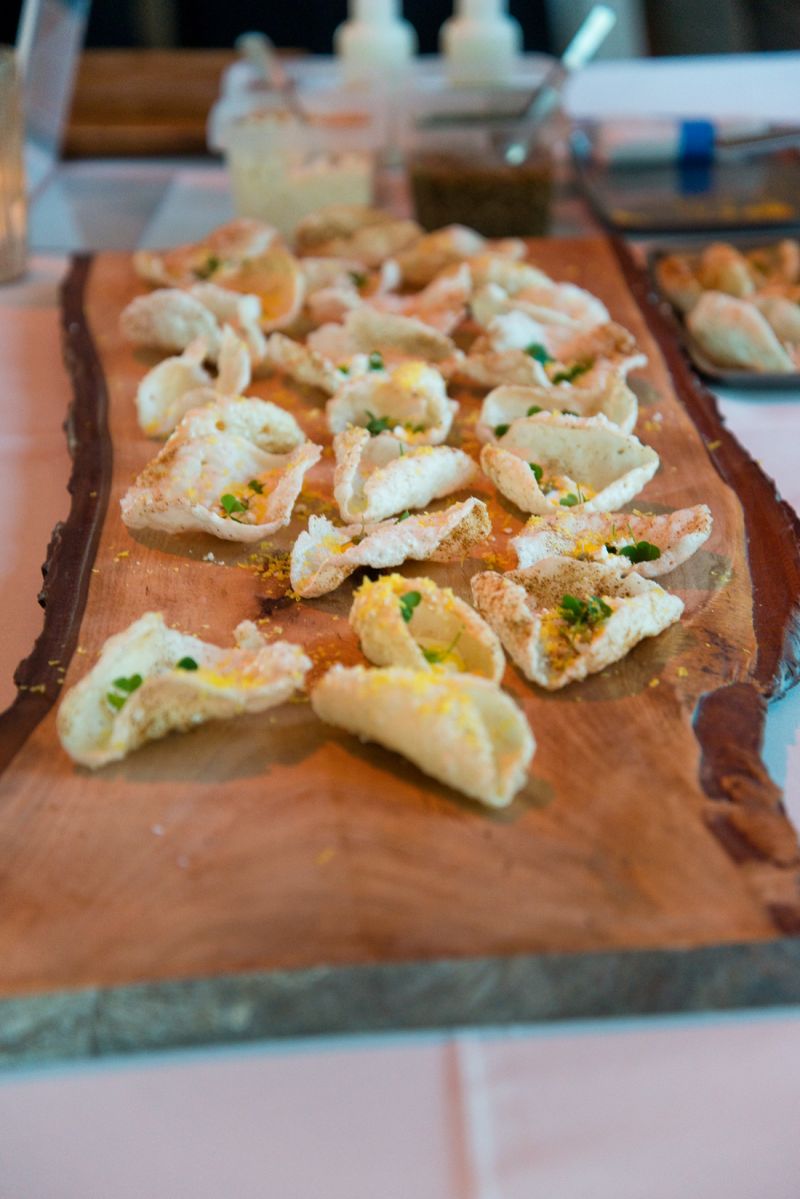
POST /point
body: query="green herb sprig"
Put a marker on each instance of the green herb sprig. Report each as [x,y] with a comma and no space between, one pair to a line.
[538,352]
[583,613]
[571,372]
[571,499]
[123,687]
[377,424]
[230,504]
[641,551]
[207,268]
[408,603]
[436,656]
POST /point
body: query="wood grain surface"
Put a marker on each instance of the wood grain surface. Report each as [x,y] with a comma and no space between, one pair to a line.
[276,843]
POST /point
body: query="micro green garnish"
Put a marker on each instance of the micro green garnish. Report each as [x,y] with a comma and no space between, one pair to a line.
[568,412]
[572,372]
[186,664]
[211,264]
[403,516]
[501,430]
[377,424]
[230,504]
[537,471]
[358,278]
[375,361]
[534,408]
[408,603]
[343,368]
[583,613]
[641,551]
[130,684]
[570,500]
[256,486]
[435,656]
[414,428]
[612,549]
[126,686]
[537,351]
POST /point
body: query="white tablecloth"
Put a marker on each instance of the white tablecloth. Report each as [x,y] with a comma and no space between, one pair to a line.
[637,1109]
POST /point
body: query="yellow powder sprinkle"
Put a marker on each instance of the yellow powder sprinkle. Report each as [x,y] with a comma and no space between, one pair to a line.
[122,554]
[325,856]
[53,661]
[682,672]
[654,683]
[713,445]
[39,687]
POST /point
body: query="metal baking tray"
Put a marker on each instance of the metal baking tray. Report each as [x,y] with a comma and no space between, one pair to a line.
[749,380]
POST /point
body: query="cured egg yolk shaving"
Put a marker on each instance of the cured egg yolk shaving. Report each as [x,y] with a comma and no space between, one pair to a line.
[409,375]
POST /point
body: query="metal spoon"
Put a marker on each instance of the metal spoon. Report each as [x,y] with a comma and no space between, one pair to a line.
[259,51]
[584,45]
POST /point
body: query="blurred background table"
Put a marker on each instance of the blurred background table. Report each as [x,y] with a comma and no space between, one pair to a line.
[699,1106]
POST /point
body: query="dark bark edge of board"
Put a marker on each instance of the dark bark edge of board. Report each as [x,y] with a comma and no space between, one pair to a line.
[67,568]
[745,810]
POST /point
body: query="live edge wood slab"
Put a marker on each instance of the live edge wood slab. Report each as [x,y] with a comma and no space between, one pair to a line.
[272,877]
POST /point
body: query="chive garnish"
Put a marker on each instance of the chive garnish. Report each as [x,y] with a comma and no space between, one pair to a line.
[187,664]
[534,408]
[537,471]
[501,430]
[537,350]
[256,486]
[375,361]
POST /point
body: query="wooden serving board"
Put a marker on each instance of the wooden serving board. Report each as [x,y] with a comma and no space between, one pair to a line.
[272,876]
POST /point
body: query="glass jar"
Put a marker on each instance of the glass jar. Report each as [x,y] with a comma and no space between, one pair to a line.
[496,178]
[282,168]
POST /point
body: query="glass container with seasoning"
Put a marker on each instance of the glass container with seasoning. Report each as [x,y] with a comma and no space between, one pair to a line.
[497,178]
[282,168]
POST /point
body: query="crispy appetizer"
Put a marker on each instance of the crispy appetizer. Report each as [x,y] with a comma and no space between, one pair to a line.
[151,680]
[463,731]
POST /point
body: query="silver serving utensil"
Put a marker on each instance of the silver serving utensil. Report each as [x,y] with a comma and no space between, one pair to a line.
[584,45]
[259,51]
[514,148]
